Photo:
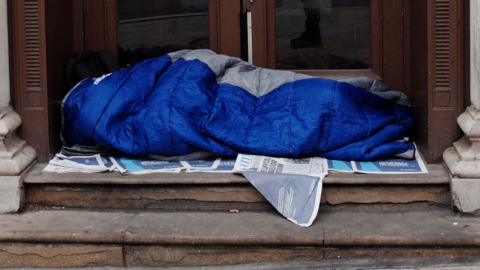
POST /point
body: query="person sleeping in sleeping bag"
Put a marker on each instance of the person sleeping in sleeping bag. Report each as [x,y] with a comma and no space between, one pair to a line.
[190,101]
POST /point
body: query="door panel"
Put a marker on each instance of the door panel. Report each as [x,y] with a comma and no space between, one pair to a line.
[100,25]
[171,24]
[393,44]
[322,34]
[225,27]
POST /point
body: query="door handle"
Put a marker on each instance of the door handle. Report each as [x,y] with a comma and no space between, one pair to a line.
[249,36]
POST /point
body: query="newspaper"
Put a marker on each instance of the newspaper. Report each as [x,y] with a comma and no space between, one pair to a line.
[391,166]
[314,166]
[340,166]
[62,169]
[141,166]
[383,166]
[224,166]
[296,197]
[201,164]
[87,164]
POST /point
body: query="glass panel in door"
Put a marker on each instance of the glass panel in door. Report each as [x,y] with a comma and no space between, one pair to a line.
[322,34]
[150,28]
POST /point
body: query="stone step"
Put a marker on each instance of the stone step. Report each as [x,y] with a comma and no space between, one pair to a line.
[243,197]
[437,175]
[223,192]
[162,239]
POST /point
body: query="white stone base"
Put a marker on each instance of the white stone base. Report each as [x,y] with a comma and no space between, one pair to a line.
[465,182]
[15,155]
[11,194]
[461,168]
[465,174]
[466,194]
[463,161]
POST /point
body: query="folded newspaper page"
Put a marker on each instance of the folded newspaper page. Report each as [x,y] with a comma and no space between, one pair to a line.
[224,166]
[107,162]
[141,166]
[201,164]
[296,197]
[86,164]
[391,166]
[383,166]
[340,166]
[314,166]
[62,169]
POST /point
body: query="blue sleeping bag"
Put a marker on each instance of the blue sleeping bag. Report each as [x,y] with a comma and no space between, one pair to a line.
[197,100]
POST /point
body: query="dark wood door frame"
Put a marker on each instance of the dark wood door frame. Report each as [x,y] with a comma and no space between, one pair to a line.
[436,76]
[95,27]
[28,69]
[224,27]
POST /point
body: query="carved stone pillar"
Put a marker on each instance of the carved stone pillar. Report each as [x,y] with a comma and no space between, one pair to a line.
[463,159]
[15,155]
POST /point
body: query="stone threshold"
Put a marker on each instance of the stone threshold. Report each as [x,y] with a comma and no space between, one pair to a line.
[437,175]
[432,228]
[243,197]
[178,257]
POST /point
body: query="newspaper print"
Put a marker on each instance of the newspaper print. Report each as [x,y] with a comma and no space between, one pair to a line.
[305,166]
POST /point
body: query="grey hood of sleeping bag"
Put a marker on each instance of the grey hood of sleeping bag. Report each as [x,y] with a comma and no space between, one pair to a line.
[187,101]
[380,89]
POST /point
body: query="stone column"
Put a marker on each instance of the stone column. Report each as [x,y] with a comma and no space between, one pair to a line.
[15,155]
[463,159]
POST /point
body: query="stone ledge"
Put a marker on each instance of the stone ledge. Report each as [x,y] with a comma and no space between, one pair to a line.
[16,255]
[243,197]
[288,257]
[156,228]
[437,175]
[435,228]
[439,228]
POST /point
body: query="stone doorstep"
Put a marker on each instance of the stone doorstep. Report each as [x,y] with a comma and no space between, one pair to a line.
[214,192]
[437,175]
[243,197]
[354,229]
[16,255]
[95,239]
[281,257]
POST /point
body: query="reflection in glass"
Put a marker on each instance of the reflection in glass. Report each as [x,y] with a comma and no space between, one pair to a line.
[322,34]
[150,28]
